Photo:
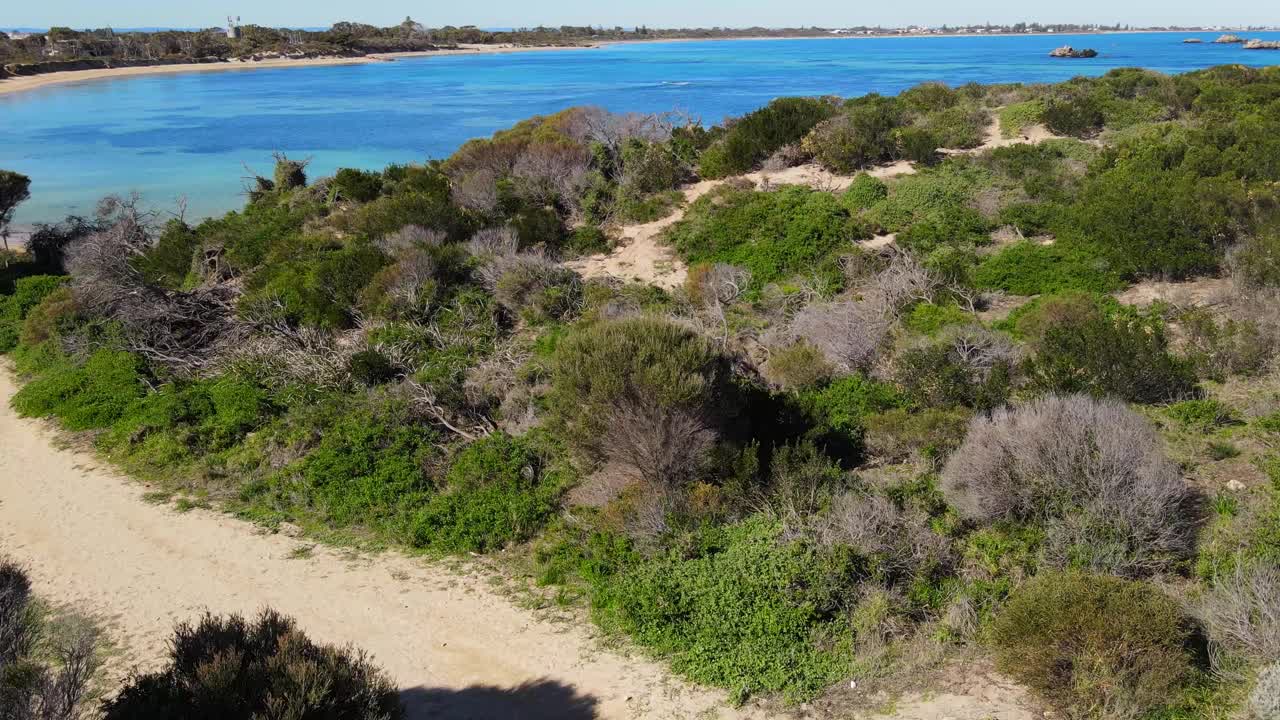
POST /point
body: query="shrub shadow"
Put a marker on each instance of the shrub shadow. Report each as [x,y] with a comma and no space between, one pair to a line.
[533,700]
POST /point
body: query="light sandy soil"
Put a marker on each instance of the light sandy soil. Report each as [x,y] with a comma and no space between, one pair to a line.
[1199,292]
[32,82]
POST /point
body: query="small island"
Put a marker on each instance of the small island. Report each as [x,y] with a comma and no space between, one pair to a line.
[1229,39]
[1193,41]
[1066,51]
[1262,45]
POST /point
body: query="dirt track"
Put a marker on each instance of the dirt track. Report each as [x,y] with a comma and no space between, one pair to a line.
[460,650]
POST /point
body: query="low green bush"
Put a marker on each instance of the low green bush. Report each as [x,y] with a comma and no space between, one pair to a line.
[755,136]
[229,667]
[742,609]
[1126,356]
[1019,116]
[929,319]
[496,492]
[28,293]
[864,192]
[864,133]
[357,185]
[84,397]
[1028,268]
[1094,647]
[369,464]
[774,234]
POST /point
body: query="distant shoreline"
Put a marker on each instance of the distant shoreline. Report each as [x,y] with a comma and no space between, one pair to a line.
[18,84]
[24,83]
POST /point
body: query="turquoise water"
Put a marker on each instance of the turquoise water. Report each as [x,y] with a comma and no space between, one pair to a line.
[194,134]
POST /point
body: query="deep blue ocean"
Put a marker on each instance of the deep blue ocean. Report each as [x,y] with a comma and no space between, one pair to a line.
[195,134]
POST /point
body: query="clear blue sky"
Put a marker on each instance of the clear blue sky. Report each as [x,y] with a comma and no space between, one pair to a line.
[655,13]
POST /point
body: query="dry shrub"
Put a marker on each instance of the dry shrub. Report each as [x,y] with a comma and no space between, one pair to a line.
[476,190]
[848,333]
[1242,613]
[547,173]
[1264,701]
[533,286]
[494,242]
[182,331]
[900,542]
[42,676]
[233,668]
[787,156]
[1092,471]
[410,237]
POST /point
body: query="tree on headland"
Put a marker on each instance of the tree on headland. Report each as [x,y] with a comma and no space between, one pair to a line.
[15,189]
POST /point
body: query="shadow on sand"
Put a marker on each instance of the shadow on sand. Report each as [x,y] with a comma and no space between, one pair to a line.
[535,700]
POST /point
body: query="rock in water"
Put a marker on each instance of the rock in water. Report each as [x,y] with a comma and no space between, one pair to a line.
[1228,39]
[1066,51]
[1262,45]
[1192,41]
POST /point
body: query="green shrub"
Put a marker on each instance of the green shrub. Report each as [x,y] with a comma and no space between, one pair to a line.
[863,134]
[228,667]
[1074,113]
[864,192]
[495,493]
[168,262]
[320,289]
[1125,355]
[1202,415]
[369,463]
[1028,268]
[933,433]
[918,144]
[929,319]
[773,234]
[370,368]
[943,372]
[93,395]
[1018,116]
[357,185]
[1094,647]
[933,193]
[28,293]
[798,366]
[956,127]
[644,392]
[743,609]
[755,136]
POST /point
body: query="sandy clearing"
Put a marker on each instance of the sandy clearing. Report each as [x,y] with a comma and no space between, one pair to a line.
[91,541]
[1200,292]
[639,257]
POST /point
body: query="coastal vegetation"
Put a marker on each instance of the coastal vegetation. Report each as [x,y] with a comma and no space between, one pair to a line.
[824,456]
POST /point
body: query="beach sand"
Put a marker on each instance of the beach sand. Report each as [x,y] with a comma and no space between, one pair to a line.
[33,82]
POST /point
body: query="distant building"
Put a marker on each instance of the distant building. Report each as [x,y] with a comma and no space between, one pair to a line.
[233,27]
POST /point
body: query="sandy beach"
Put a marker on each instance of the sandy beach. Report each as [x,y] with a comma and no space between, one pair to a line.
[33,82]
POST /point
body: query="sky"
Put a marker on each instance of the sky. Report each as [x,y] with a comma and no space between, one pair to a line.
[654,13]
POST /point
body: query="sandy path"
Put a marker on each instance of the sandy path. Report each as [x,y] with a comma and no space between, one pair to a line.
[90,540]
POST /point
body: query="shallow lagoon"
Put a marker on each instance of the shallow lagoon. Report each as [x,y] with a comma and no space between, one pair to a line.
[193,135]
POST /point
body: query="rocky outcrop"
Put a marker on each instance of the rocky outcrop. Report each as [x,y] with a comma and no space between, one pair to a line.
[1066,51]
[1262,45]
[1229,39]
[1193,41]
